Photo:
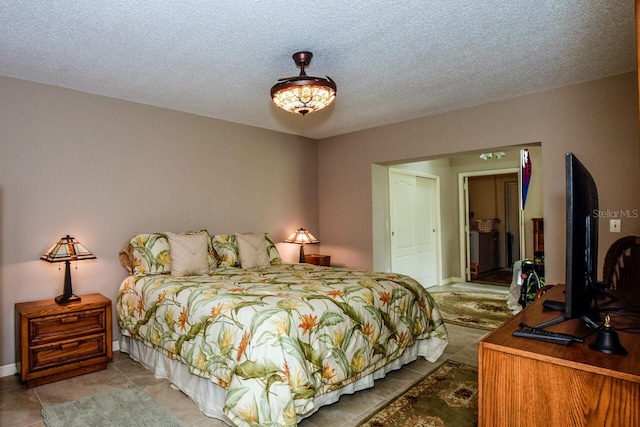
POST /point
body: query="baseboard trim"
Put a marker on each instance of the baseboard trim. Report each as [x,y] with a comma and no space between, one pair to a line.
[7,370]
[450,280]
[11,368]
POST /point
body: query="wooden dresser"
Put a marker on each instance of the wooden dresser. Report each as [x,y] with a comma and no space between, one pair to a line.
[523,382]
[54,342]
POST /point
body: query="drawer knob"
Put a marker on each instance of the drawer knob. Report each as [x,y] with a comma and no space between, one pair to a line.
[70,319]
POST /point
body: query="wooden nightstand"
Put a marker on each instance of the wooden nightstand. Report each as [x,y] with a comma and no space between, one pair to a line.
[54,342]
[316,259]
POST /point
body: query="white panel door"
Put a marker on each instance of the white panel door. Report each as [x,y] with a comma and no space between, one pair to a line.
[413,226]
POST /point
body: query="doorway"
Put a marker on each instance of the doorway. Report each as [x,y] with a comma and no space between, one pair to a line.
[414,218]
[490,219]
[450,237]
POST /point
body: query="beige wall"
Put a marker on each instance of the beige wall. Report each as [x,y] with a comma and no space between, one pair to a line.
[103,170]
[597,120]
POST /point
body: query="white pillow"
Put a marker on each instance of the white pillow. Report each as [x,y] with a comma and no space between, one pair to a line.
[252,250]
[189,253]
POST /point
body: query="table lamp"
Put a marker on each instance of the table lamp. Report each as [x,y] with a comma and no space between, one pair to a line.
[67,249]
[301,237]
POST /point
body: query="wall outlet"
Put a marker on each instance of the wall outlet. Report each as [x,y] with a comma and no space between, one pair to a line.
[614,225]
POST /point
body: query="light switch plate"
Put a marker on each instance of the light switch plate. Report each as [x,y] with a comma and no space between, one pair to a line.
[614,225]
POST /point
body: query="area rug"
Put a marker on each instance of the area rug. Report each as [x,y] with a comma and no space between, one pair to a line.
[481,310]
[129,407]
[446,397]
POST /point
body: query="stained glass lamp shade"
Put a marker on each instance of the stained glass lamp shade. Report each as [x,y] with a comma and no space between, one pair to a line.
[66,250]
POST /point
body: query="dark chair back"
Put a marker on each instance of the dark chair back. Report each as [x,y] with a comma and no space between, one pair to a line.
[621,269]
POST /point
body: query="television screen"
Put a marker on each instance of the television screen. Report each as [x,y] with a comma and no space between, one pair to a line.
[582,245]
[582,239]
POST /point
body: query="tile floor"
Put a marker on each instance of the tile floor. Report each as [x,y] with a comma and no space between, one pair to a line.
[22,407]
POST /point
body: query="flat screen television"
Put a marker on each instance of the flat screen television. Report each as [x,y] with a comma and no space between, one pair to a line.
[582,244]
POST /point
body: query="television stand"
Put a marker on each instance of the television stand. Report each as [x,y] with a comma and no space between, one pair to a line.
[559,306]
[561,319]
[553,305]
[525,382]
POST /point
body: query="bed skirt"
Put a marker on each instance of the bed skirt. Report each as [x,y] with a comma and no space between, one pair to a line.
[209,397]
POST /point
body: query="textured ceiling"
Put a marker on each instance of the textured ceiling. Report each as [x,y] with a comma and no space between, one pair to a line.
[392,61]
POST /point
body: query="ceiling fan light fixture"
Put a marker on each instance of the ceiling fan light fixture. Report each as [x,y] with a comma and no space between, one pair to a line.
[303,94]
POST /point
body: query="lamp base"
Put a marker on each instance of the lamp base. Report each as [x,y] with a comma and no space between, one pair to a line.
[67,292]
[63,299]
[301,258]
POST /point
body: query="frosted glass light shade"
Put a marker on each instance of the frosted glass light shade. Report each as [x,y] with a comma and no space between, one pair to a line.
[304,99]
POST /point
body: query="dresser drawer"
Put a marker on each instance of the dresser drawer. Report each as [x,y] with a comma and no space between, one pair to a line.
[65,352]
[64,326]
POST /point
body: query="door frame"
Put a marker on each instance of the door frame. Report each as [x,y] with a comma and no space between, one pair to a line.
[463,212]
[506,220]
[436,209]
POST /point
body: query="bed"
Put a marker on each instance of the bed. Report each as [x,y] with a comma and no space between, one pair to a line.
[260,342]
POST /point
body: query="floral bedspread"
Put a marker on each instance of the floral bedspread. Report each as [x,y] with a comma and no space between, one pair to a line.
[278,337]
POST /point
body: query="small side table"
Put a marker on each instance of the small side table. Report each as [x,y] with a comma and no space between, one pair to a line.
[55,342]
[324,260]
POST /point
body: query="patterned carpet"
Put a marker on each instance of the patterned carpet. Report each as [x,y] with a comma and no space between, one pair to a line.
[482,310]
[446,397]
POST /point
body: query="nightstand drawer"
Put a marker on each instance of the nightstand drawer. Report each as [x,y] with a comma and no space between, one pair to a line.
[63,326]
[55,354]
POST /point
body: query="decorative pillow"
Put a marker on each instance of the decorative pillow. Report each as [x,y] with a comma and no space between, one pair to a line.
[252,250]
[226,250]
[274,255]
[189,253]
[150,254]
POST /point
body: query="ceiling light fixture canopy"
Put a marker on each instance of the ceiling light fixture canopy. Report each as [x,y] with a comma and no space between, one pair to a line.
[303,94]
